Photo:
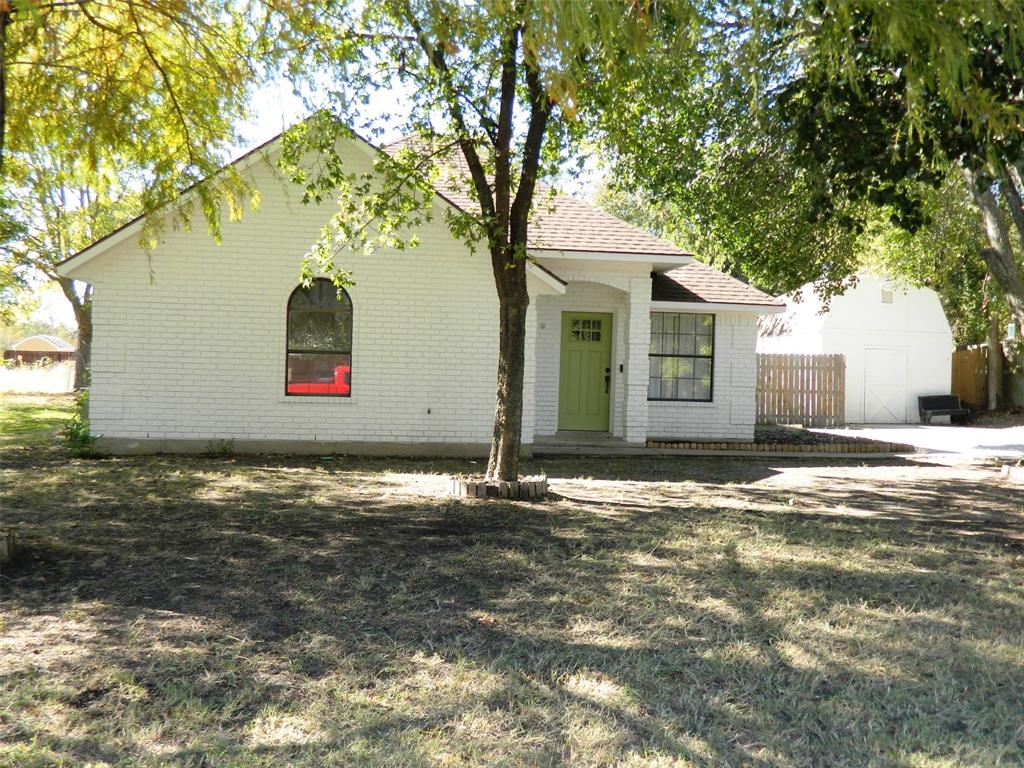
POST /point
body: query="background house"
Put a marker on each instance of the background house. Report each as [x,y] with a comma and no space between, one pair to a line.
[21,371]
[896,340]
[32,349]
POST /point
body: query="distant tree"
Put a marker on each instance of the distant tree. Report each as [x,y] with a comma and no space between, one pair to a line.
[804,117]
[884,123]
[945,254]
[743,213]
[501,90]
[108,109]
[696,153]
[64,207]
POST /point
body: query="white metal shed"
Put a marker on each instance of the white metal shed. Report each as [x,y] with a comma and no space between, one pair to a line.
[896,340]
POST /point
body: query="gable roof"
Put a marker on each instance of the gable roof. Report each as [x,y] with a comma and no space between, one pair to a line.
[56,342]
[135,225]
[697,283]
[561,223]
[568,224]
[858,307]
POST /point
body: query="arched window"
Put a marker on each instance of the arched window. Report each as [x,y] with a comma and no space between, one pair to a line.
[319,341]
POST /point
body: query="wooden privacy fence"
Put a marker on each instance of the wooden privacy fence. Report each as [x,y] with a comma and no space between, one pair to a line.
[970,375]
[30,357]
[801,389]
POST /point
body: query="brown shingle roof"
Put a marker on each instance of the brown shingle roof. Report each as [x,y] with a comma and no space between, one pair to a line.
[700,283]
[560,223]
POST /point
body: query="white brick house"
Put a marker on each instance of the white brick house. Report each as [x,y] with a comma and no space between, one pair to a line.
[196,343]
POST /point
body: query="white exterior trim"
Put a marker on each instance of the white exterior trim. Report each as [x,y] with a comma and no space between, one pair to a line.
[556,285]
[708,306]
[90,252]
[658,262]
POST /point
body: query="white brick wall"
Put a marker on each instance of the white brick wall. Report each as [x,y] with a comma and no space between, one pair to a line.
[638,364]
[190,342]
[731,414]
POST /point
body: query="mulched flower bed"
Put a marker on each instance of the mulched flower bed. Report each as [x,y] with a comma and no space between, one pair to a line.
[789,440]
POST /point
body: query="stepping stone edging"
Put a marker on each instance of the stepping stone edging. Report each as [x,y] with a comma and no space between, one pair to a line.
[524,488]
[850,447]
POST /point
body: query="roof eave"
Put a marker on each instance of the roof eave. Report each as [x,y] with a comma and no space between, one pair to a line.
[548,278]
[134,227]
[717,306]
[659,261]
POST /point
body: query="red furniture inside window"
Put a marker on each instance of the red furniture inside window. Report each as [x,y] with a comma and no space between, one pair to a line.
[342,384]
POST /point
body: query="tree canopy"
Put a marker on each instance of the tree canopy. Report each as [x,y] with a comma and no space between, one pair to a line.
[863,107]
[887,131]
[108,109]
[161,85]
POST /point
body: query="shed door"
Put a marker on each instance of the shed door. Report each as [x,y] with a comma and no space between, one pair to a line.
[885,386]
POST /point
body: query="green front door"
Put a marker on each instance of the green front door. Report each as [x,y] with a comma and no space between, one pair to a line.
[585,371]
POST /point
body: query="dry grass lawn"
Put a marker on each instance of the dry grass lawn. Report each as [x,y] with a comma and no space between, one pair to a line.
[223,611]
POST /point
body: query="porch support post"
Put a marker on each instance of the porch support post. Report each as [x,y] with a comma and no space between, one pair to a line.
[638,339]
[530,375]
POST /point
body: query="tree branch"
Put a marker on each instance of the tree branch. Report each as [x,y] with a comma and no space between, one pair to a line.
[167,84]
[1010,183]
[540,111]
[503,143]
[5,20]
[92,19]
[476,169]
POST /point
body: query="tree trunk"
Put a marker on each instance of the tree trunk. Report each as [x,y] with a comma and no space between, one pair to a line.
[999,258]
[513,302]
[507,223]
[1009,184]
[5,20]
[82,306]
[83,360]
[995,363]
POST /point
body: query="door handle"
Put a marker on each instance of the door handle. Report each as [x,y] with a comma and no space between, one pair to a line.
[607,379]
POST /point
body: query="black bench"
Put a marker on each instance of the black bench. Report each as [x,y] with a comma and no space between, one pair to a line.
[942,405]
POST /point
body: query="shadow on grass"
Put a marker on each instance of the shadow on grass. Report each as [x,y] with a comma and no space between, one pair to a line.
[173,610]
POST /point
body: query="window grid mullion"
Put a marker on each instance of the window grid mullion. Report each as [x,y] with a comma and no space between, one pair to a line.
[682,331]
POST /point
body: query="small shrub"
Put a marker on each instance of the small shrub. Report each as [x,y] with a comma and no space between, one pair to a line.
[76,430]
[223,448]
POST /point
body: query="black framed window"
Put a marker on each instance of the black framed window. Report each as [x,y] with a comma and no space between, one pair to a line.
[682,356]
[319,355]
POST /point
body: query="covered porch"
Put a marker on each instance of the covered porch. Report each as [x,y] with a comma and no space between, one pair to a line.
[589,358]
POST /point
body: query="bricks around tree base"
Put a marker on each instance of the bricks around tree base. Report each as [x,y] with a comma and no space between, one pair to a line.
[524,488]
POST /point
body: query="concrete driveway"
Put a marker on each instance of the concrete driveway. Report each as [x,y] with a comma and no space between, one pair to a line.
[1002,442]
